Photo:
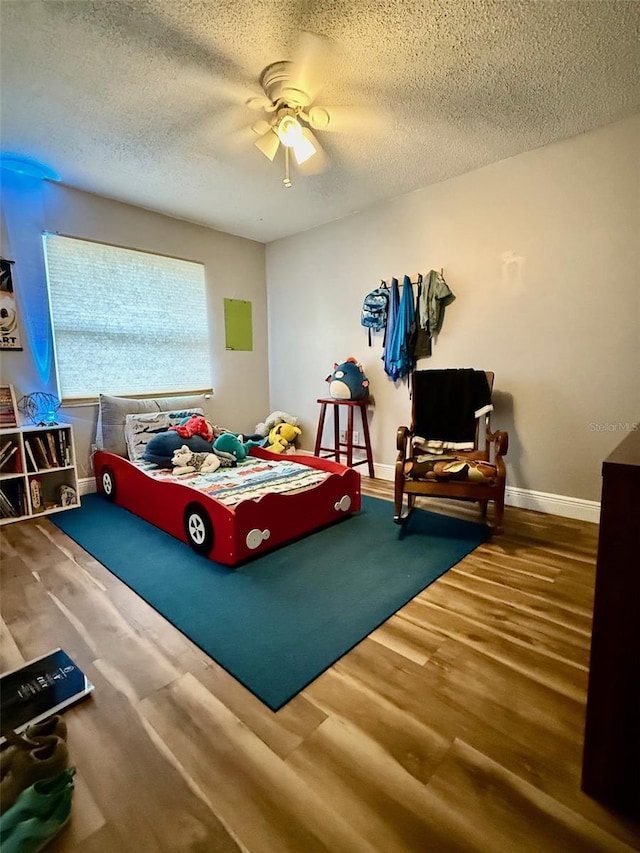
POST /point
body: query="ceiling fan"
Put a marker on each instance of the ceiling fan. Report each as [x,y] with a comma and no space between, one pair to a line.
[291,115]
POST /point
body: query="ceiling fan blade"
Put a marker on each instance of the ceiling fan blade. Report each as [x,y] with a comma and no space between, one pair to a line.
[214,90]
[223,137]
[258,102]
[261,127]
[308,63]
[348,119]
[268,144]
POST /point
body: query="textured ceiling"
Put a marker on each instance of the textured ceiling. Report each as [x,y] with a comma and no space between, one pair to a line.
[145,101]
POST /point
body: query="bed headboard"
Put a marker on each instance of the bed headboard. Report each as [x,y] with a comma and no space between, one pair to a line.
[113,411]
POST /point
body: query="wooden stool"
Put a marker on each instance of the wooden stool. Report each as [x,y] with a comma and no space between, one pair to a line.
[337,444]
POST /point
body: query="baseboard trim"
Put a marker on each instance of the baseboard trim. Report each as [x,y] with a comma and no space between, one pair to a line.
[87,485]
[562,505]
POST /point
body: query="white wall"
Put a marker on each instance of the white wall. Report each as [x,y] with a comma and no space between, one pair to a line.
[542,253]
[234,269]
[541,250]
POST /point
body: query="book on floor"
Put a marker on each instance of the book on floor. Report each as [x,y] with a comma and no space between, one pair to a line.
[39,688]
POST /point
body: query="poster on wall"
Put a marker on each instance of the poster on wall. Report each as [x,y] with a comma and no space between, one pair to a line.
[238,325]
[9,331]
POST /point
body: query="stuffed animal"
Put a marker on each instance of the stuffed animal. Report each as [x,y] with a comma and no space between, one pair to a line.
[230,444]
[185,461]
[281,436]
[195,425]
[348,382]
[273,420]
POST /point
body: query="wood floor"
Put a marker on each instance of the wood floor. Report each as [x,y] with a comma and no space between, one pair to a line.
[456,726]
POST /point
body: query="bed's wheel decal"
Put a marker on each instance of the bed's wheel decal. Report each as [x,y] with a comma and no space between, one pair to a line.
[198,528]
[343,505]
[256,537]
[108,481]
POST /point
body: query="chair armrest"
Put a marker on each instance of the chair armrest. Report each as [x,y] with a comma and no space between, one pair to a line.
[500,440]
[402,438]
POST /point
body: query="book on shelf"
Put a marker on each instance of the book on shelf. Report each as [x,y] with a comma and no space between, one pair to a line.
[7,509]
[22,496]
[8,407]
[35,487]
[5,448]
[53,453]
[31,459]
[9,455]
[42,687]
[60,447]
[43,459]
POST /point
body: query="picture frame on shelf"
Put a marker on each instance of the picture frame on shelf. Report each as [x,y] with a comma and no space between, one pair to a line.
[8,407]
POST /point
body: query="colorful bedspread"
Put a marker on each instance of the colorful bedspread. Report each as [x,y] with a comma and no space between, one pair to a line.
[252,479]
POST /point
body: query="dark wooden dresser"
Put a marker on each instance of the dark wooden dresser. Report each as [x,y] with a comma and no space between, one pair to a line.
[611,758]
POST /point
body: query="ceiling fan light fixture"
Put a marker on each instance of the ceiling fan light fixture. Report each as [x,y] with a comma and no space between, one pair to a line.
[268,144]
[303,149]
[289,130]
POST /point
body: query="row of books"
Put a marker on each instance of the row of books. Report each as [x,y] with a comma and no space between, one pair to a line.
[13,503]
[10,460]
[48,450]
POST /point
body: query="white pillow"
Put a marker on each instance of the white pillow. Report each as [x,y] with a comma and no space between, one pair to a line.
[140,429]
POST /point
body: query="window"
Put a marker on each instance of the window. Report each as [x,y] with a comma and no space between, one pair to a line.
[125,322]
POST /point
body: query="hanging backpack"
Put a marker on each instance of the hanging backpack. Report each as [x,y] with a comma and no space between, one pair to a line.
[374,309]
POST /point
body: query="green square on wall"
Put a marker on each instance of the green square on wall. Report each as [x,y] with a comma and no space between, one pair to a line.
[238,325]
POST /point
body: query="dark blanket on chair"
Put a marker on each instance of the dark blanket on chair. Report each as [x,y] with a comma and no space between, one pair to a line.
[446,404]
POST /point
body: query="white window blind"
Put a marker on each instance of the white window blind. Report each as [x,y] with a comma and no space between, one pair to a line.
[125,322]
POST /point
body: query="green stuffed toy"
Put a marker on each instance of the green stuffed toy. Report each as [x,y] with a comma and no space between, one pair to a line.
[229,443]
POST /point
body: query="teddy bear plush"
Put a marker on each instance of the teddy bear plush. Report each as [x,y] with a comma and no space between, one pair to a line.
[185,461]
[281,436]
[273,420]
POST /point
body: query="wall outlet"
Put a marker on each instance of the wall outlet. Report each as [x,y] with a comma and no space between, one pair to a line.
[343,436]
[356,437]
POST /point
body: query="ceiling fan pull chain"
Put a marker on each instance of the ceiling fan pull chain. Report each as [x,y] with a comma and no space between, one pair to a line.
[286,180]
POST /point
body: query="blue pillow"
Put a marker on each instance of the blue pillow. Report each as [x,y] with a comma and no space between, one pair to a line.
[163,445]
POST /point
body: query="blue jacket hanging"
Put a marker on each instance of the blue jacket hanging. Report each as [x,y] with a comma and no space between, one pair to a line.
[398,360]
[392,317]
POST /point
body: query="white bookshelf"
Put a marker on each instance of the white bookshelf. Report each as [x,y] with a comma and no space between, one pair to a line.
[38,474]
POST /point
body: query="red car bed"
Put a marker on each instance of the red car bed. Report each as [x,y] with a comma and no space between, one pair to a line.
[232,520]
[230,515]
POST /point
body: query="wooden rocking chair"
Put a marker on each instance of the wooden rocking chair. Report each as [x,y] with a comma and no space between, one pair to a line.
[469,474]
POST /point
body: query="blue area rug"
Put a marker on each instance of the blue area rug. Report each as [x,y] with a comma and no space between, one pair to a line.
[279,621]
